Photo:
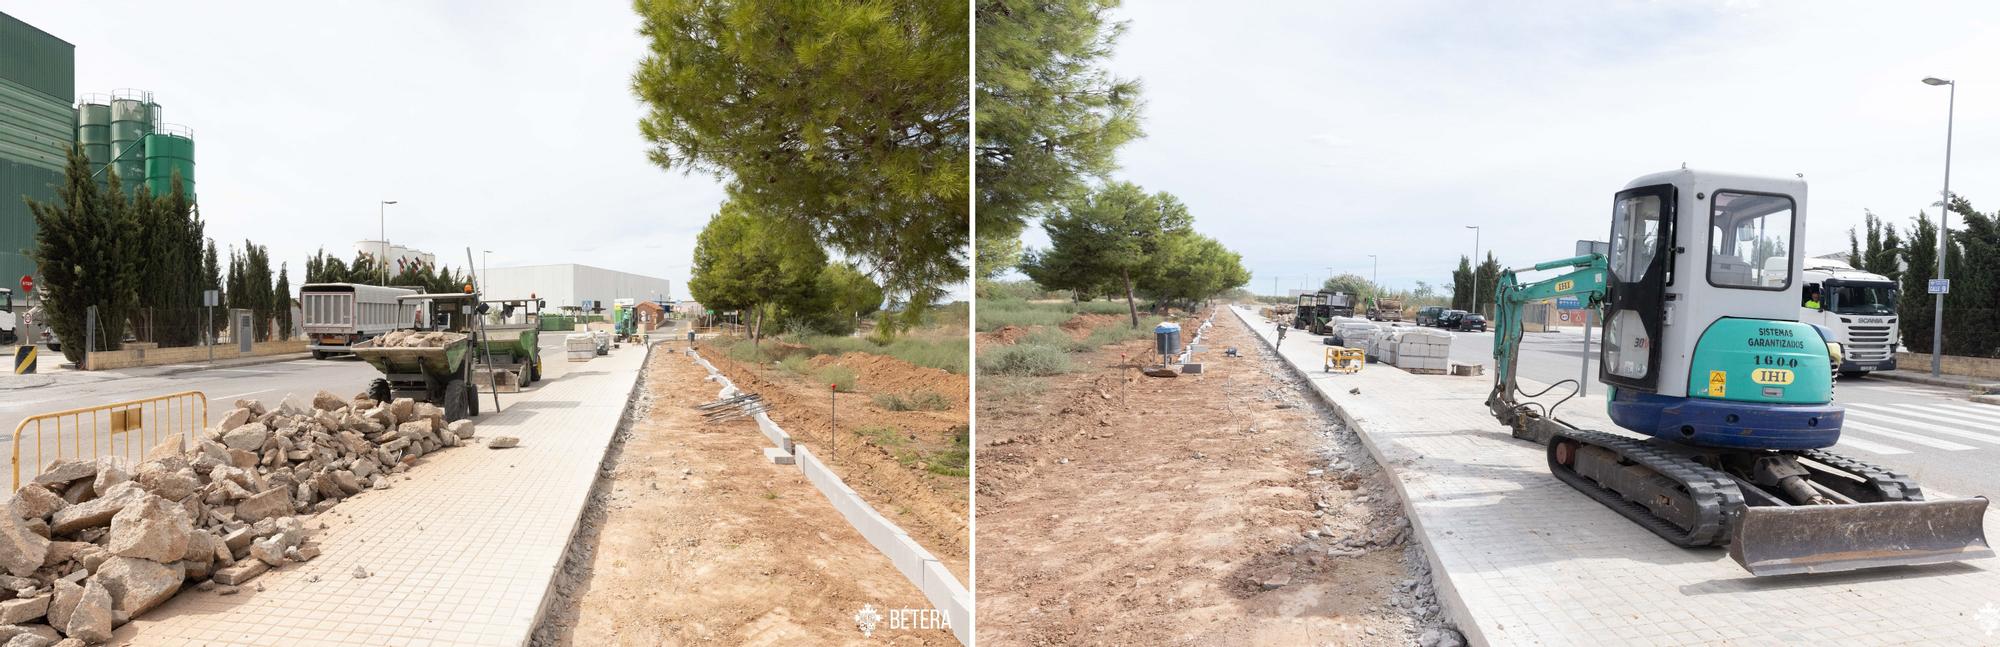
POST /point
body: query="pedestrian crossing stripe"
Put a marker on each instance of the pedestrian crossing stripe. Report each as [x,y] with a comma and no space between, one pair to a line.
[1984,411]
[1946,415]
[1912,425]
[1870,446]
[1871,429]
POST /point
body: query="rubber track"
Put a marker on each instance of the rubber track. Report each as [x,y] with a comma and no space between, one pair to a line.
[1715,495]
[1893,485]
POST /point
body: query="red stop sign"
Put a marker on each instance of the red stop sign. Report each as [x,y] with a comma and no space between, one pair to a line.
[27,283]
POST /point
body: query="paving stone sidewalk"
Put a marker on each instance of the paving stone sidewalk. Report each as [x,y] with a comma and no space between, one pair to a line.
[1522,559]
[461,553]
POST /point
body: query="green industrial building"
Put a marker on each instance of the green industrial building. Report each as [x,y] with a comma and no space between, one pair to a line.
[37,127]
[41,118]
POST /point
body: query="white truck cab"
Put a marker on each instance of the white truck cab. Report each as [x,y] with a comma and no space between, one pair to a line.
[10,325]
[1859,307]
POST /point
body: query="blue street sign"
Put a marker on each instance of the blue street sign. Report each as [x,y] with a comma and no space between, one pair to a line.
[1940,286]
[1569,303]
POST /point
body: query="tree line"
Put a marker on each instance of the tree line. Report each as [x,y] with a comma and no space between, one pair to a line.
[1909,257]
[143,261]
[1051,120]
[843,123]
[363,270]
[775,272]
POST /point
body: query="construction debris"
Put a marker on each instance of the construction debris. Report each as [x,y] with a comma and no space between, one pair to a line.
[417,339]
[92,544]
[748,404]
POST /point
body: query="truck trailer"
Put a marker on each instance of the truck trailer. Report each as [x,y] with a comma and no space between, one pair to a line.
[340,315]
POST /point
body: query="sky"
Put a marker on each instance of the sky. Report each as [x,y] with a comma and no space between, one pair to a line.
[1309,135]
[503,126]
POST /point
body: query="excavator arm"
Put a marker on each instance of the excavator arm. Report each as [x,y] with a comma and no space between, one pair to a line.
[1585,277]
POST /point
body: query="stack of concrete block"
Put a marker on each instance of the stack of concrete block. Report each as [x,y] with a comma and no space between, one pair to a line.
[580,346]
[1424,352]
[1360,335]
[1384,350]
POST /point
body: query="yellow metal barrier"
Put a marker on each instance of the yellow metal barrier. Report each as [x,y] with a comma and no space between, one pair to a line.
[1342,359]
[125,429]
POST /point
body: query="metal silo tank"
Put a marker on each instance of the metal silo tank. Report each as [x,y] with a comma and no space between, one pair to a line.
[168,150]
[131,120]
[93,129]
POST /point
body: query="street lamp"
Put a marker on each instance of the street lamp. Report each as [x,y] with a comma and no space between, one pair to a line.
[1944,230]
[1375,273]
[382,221]
[1475,267]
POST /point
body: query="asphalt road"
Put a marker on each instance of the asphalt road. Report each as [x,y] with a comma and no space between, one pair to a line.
[1934,434]
[269,383]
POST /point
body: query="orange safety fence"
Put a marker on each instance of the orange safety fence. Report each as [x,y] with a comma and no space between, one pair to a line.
[121,429]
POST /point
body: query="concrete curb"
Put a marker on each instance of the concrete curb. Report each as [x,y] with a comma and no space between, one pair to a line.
[916,564]
[1920,378]
[1453,603]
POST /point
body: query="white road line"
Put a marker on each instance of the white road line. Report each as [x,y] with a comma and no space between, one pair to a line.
[1906,437]
[1912,425]
[1947,415]
[1985,411]
[1870,446]
[233,396]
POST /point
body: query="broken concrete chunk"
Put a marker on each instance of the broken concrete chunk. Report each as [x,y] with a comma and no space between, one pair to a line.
[174,485]
[135,584]
[22,610]
[270,551]
[249,437]
[234,418]
[94,615]
[325,401]
[35,502]
[241,572]
[63,602]
[461,428]
[151,528]
[109,474]
[275,502]
[503,442]
[66,471]
[96,512]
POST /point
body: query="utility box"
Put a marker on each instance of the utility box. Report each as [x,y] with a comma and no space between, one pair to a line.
[1167,339]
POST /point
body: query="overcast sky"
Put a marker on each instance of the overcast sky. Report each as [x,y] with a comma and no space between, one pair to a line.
[506,126]
[1308,135]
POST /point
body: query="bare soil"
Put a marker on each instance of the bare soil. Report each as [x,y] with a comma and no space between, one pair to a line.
[700,540]
[883,455]
[1227,507]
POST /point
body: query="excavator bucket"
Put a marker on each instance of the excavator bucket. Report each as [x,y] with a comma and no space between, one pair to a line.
[1781,540]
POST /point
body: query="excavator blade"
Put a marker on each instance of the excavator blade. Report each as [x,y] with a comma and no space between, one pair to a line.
[1781,540]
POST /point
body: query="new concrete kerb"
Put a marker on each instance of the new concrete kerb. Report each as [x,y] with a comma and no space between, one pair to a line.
[1454,604]
[916,564]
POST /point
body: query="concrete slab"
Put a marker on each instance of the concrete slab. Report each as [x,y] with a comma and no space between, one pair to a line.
[1522,559]
[461,553]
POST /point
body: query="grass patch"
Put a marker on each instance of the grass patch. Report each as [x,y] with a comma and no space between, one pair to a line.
[1025,359]
[841,377]
[955,462]
[1005,388]
[914,401]
[1103,308]
[997,313]
[799,365]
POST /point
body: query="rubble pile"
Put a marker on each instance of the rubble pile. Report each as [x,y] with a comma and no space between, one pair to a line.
[92,544]
[417,339]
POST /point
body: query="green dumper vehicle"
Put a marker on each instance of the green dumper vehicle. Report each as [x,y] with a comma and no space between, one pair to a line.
[433,366]
[513,339]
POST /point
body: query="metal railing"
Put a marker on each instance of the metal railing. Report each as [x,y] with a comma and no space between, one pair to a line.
[125,429]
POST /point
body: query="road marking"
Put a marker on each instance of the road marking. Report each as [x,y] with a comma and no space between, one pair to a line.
[1981,410]
[1867,428]
[1946,415]
[1948,431]
[234,396]
[1870,446]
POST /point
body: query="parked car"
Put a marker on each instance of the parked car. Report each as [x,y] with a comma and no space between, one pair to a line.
[1448,319]
[1428,316]
[1471,322]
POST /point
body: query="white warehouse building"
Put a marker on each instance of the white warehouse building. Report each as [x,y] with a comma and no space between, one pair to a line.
[573,285]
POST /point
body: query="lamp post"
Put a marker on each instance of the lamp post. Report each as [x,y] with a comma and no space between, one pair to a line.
[1475,268]
[1944,229]
[1329,277]
[382,222]
[483,264]
[1375,272]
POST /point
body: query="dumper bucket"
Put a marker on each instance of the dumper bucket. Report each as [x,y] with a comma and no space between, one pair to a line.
[1780,540]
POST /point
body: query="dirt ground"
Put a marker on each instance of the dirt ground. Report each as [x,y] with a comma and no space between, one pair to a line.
[1227,507]
[880,453]
[695,538]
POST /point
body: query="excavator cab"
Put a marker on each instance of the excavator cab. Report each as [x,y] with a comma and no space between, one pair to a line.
[1705,356]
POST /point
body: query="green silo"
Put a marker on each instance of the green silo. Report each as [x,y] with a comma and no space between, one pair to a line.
[93,129]
[169,150]
[132,118]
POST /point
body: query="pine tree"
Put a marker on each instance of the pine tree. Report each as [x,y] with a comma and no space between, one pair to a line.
[283,298]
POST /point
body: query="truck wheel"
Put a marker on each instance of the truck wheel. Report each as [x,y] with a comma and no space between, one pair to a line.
[1853,375]
[378,391]
[534,370]
[457,401]
[319,354]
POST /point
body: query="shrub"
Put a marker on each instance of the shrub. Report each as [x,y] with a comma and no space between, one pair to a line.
[954,462]
[841,377]
[915,401]
[1025,359]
